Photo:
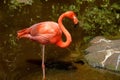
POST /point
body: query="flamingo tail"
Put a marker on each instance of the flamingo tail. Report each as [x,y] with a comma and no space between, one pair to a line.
[23,32]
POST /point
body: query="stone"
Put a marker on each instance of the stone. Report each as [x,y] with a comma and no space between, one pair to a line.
[104,53]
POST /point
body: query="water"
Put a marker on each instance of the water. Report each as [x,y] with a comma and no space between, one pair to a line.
[21,59]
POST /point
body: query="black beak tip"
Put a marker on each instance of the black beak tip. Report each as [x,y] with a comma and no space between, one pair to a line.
[76,25]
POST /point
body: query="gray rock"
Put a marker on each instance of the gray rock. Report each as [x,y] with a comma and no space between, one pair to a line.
[104,53]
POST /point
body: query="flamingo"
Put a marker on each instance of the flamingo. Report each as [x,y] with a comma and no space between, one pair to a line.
[49,32]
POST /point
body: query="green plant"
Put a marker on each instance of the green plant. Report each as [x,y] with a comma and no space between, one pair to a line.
[96,17]
[101,21]
[15,4]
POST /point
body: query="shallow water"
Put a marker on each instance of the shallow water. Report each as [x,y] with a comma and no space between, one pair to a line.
[21,59]
[83,72]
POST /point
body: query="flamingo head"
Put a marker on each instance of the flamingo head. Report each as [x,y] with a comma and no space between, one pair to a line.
[72,15]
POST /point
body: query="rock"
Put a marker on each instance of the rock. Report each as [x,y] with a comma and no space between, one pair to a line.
[104,53]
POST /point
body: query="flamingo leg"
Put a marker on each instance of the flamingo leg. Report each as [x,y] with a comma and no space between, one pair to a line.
[43,64]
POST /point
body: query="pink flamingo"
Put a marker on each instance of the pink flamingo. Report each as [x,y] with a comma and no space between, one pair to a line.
[49,32]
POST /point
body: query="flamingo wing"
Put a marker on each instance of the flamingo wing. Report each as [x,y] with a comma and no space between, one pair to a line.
[45,32]
[42,38]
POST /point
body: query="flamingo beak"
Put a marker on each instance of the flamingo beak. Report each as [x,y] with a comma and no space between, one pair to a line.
[76,25]
[76,22]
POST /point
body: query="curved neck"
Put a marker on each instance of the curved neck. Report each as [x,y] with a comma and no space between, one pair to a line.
[62,43]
